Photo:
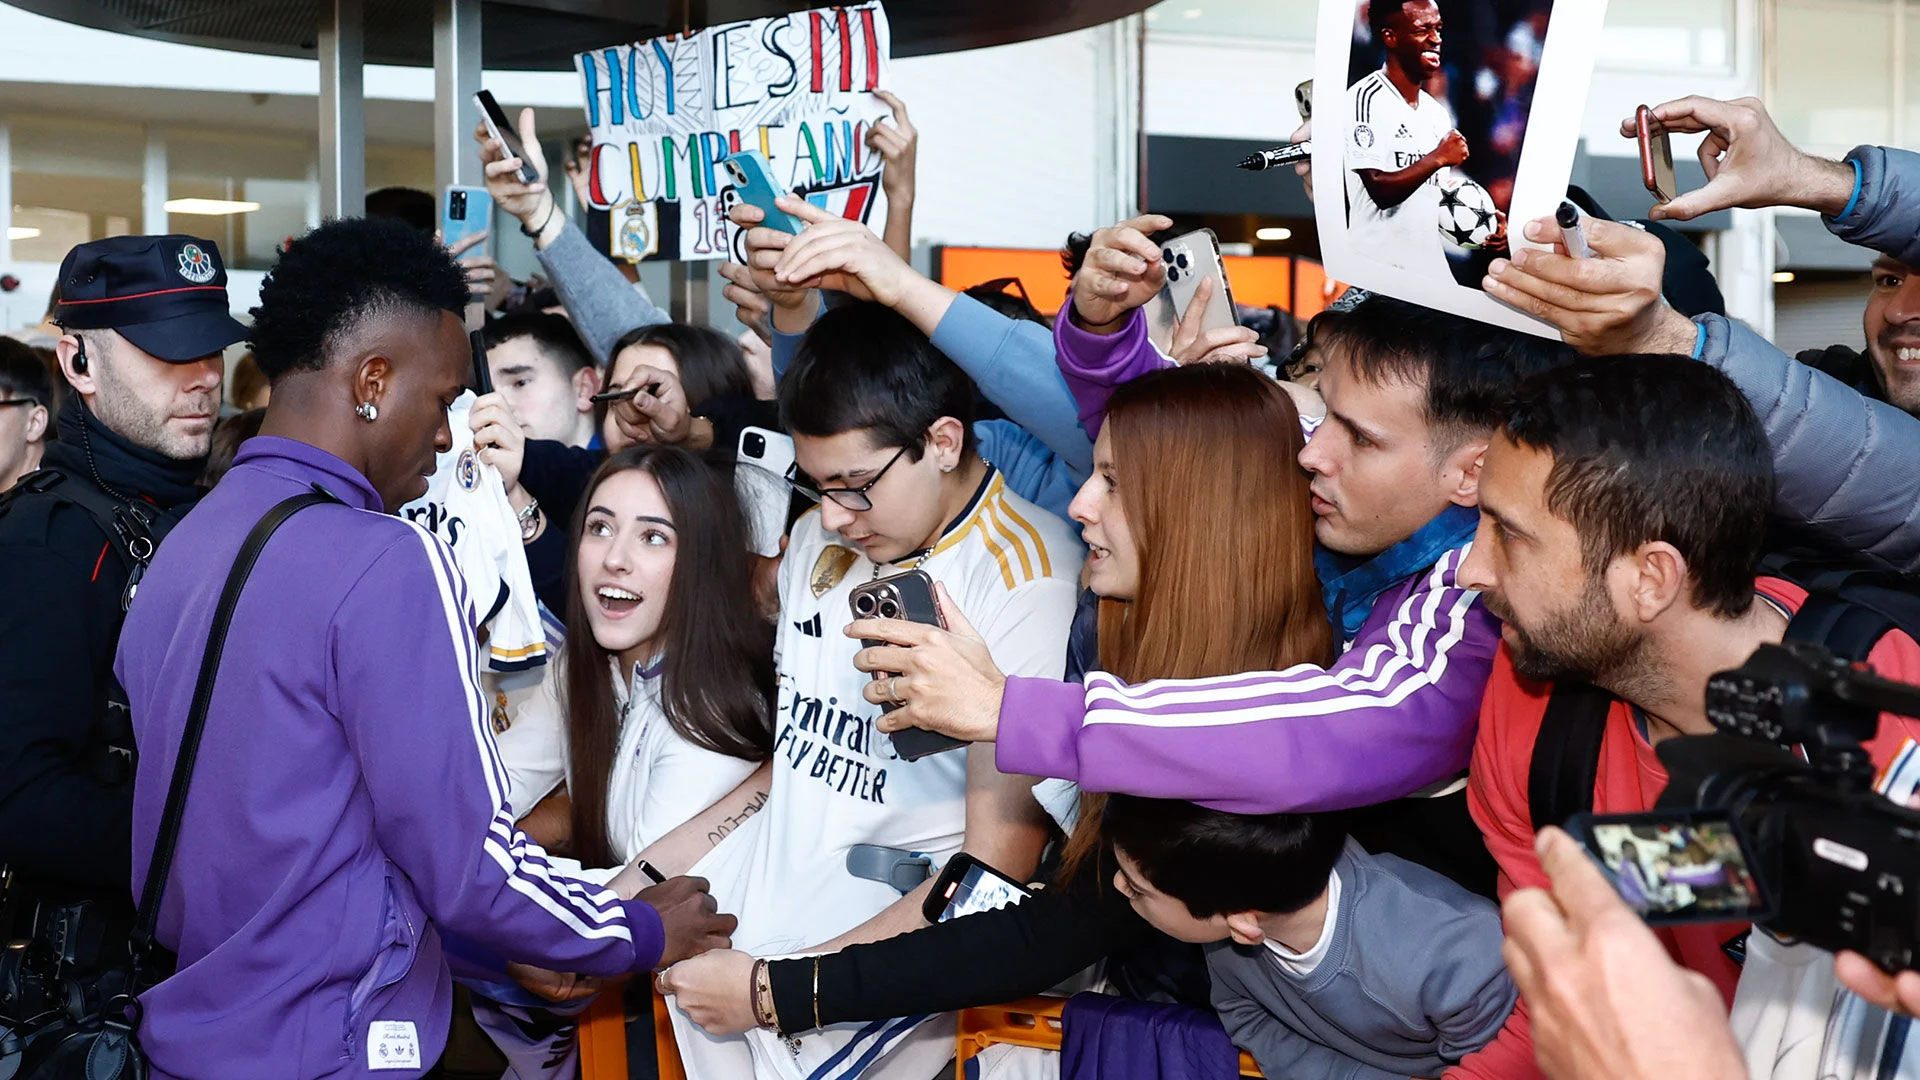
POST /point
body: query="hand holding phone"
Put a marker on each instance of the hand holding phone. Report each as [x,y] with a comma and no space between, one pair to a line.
[906,596]
[1656,155]
[753,180]
[504,132]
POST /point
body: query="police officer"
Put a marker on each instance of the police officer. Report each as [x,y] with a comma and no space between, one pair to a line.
[145,319]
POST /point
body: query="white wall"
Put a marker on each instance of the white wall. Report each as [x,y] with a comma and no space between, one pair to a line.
[1007,148]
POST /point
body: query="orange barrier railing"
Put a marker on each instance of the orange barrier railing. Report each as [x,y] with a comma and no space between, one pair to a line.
[603,1040]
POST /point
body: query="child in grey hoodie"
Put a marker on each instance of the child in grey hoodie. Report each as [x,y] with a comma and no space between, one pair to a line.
[1326,961]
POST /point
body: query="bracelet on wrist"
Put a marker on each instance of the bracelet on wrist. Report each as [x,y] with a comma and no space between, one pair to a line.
[764,1014]
[553,207]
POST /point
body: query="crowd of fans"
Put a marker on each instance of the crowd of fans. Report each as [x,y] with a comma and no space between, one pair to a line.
[1249,649]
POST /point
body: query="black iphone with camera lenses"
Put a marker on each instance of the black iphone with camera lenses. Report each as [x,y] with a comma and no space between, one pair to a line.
[906,596]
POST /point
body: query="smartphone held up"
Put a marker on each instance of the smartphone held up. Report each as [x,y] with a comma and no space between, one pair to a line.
[906,596]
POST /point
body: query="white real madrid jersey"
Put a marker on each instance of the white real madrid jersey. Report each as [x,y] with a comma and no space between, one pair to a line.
[466,507]
[1389,135]
[1013,569]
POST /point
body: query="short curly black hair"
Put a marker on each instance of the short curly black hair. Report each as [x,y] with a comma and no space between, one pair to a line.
[330,280]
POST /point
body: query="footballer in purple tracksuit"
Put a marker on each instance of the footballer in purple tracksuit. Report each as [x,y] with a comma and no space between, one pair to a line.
[347,800]
[347,830]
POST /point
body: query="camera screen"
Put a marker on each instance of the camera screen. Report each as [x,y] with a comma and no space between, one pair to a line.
[980,889]
[1694,869]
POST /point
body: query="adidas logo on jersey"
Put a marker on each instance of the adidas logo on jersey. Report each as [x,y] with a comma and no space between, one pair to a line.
[810,627]
[1403,133]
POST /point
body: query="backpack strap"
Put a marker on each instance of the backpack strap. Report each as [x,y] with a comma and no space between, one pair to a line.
[133,531]
[1566,753]
[161,865]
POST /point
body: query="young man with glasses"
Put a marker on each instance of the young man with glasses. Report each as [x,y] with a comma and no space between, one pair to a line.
[881,425]
[26,410]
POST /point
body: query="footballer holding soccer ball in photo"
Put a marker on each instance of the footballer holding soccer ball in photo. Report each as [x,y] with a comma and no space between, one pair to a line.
[1407,202]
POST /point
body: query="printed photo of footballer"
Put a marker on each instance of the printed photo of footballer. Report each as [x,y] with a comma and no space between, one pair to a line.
[1440,92]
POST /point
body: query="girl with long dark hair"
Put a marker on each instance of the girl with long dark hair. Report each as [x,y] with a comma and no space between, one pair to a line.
[668,666]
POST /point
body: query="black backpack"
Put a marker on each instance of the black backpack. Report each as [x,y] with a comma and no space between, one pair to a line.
[1850,606]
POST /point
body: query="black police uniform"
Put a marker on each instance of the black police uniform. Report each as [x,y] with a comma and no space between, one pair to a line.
[73,537]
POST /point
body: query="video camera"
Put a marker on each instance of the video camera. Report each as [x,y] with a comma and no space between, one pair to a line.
[1837,863]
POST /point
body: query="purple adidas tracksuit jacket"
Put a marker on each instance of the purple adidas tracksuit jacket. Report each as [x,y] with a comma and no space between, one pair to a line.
[348,803]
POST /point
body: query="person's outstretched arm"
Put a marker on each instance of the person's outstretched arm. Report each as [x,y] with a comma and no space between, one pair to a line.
[1395,713]
[1011,360]
[601,302]
[1844,464]
[979,959]
[1100,335]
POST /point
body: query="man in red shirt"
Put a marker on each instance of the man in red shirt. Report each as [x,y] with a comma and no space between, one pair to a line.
[1622,508]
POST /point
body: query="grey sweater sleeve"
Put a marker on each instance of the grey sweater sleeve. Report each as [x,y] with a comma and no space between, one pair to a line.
[1279,1051]
[1846,465]
[601,301]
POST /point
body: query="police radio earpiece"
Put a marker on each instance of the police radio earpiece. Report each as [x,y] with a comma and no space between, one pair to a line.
[79,355]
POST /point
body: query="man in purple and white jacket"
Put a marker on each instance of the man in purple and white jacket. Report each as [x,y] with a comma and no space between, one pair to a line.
[347,807]
[1411,396]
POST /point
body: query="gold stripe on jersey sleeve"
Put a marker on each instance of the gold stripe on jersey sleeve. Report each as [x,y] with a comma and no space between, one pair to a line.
[520,653]
[959,532]
[999,553]
[1013,539]
[1040,545]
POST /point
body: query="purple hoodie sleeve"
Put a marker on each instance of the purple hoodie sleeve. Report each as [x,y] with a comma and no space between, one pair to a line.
[404,680]
[1396,712]
[1093,364]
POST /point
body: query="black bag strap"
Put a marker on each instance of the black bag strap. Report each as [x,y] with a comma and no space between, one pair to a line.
[131,529]
[1566,753]
[162,864]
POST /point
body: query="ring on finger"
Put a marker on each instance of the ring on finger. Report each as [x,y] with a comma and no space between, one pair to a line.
[893,690]
[660,984]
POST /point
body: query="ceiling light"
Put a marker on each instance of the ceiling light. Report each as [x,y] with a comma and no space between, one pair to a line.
[21,232]
[1781,277]
[1190,13]
[1273,232]
[208,206]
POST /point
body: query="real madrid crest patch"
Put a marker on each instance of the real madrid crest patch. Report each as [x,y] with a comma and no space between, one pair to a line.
[467,470]
[501,720]
[830,567]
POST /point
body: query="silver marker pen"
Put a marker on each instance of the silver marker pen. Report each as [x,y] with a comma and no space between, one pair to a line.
[1571,234]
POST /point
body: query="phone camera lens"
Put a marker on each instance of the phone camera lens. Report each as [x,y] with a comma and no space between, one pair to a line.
[1167,254]
[755,444]
[1173,273]
[863,604]
[889,609]
[1181,259]
[457,205]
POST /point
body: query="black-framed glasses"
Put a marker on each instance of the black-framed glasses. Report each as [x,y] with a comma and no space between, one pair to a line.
[853,498]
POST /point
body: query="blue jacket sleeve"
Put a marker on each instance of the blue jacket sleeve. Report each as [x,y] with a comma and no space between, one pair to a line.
[1034,472]
[1011,361]
[1885,212]
[1846,465]
[404,671]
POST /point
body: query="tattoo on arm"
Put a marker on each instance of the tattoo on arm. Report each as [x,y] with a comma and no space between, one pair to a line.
[732,822]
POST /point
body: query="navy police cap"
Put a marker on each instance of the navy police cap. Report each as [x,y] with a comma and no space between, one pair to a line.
[166,294]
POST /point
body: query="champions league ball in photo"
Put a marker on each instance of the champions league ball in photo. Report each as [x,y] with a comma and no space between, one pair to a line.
[1467,214]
